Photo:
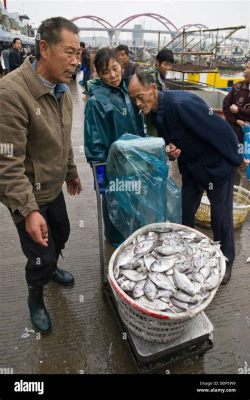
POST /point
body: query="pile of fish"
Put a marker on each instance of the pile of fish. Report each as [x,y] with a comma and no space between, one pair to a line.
[172,272]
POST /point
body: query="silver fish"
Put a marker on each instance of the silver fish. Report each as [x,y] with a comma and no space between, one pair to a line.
[164,293]
[180,304]
[127,286]
[185,298]
[160,280]
[163,264]
[153,235]
[198,277]
[121,279]
[134,275]
[138,289]
[166,250]
[212,281]
[156,305]
[148,260]
[133,265]
[205,271]
[150,290]
[144,246]
[126,256]
[172,283]
[183,283]
[189,235]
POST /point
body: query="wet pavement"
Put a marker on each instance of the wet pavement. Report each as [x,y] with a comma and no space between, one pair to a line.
[86,337]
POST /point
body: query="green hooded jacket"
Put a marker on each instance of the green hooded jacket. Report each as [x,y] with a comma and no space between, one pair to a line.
[109,113]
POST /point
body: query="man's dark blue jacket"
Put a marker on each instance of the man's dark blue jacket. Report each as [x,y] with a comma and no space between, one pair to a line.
[209,146]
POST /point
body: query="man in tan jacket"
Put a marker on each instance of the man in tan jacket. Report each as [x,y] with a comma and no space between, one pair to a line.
[36,156]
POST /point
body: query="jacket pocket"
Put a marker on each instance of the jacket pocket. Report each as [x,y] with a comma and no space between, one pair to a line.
[37,175]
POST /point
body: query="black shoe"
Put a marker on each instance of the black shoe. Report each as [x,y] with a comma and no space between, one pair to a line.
[38,314]
[227,276]
[63,277]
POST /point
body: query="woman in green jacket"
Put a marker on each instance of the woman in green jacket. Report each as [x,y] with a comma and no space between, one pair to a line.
[109,113]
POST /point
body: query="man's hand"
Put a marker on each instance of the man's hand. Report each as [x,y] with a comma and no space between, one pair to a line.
[244,164]
[74,186]
[37,228]
[241,123]
[234,109]
[172,151]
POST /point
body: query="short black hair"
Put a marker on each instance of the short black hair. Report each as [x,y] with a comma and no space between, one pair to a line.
[50,30]
[143,76]
[15,39]
[82,44]
[122,47]
[165,55]
[102,58]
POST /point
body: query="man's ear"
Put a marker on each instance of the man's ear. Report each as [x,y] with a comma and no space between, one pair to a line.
[154,86]
[43,48]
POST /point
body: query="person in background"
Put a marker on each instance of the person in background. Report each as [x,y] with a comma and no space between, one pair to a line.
[163,64]
[109,113]
[236,105]
[207,152]
[15,59]
[85,66]
[5,60]
[36,118]
[23,53]
[128,66]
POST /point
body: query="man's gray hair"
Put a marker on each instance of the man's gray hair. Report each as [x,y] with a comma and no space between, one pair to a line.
[50,31]
[143,76]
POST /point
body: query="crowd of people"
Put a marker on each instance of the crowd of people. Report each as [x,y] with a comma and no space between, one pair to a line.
[36,117]
[13,55]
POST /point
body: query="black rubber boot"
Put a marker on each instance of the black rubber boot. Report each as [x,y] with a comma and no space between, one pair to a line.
[39,315]
[227,276]
[63,277]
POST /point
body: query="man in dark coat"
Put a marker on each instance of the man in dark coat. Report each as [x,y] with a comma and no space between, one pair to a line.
[15,59]
[236,105]
[207,151]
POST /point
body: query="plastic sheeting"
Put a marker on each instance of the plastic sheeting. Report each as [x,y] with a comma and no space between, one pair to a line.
[137,172]
[173,205]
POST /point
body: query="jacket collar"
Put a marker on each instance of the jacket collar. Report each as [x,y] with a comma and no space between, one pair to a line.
[159,113]
[35,84]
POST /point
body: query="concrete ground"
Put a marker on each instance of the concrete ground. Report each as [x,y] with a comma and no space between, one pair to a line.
[86,337]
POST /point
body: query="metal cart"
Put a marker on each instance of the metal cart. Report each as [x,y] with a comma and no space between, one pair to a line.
[153,357]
